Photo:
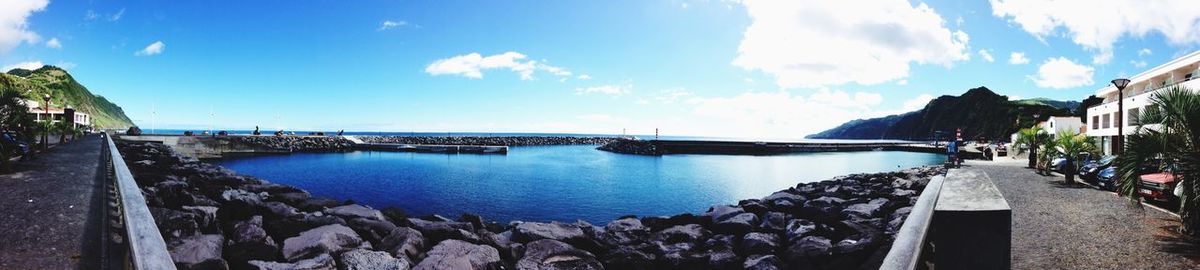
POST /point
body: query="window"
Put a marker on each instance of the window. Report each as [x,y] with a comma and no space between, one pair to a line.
[1133,116]
[1096,122]
[1106,121]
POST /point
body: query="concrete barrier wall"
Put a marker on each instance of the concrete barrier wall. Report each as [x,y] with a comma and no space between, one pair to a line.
[960,221]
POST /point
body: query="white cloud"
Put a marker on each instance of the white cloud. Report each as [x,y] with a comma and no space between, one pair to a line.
[1014,97]
[817,43]
[902,82]
[472,66]
[843,99]
[53,43]
[584,77]
[604,118]
[30,65]
[917,103]
[612,90]
[389,24]
[1137,64]
[116,16]
[1062,73]
[1102,58]
[1144,52]
[669,96]
[91,15]
[154,48]
[1097,25]
[986,56]
[779,114]
[1017,58]
[14,29]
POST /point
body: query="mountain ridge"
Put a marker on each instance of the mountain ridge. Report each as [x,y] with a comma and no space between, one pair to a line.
[978,112]
[64,89]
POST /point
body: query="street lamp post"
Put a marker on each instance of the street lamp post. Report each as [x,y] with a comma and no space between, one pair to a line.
[46,133]
[1119,144]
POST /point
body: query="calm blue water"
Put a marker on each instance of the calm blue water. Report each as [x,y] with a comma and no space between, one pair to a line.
[564,183]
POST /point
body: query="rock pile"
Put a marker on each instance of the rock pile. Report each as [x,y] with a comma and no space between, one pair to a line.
[478,140]
[213,218]
[296,143]
[635,147]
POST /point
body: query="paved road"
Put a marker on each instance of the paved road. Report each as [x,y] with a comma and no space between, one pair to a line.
[1078,227]
[52,209]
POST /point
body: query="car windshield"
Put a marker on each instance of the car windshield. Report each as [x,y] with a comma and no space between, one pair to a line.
[1107,160]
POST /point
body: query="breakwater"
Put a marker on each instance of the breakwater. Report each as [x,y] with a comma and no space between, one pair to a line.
[489,140]
[213,217]
[666,147]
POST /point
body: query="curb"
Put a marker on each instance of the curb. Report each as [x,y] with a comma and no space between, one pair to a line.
[1077,180]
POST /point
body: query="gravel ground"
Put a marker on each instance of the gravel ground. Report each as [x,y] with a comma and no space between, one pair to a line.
[52,209]
[1078,227]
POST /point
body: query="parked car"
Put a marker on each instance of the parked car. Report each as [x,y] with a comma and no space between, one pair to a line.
[1158,186]
[1091,168]
[1106,178]
[1001,149]
[1058,164]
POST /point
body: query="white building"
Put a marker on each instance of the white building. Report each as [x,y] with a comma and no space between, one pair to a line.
[80,119]
[1104,119]
[1061,123]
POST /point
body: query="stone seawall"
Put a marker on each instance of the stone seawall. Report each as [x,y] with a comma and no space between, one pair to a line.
[213,218]
[489,140]
[295,143]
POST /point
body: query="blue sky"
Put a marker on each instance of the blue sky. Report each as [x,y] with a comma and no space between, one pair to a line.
[714,68]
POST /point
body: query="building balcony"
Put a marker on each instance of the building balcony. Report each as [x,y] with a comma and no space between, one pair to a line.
[1135,103]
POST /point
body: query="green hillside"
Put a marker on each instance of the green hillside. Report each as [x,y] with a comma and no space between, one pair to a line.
[63,89]
[978,112]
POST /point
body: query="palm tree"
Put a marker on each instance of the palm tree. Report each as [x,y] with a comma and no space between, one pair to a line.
[1070,143]
[1029,138]
[1169,128]
[63,128]
[13,117]
[1048,150]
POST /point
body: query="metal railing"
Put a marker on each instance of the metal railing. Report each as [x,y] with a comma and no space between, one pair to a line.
[911,241]
[147,250]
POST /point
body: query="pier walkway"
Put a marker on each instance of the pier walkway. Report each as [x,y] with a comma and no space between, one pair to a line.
[1055,226]
[52,209]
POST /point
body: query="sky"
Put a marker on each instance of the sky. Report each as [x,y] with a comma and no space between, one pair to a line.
[768,69]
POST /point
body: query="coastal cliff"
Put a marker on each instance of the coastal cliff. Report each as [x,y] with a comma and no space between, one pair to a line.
[64,89]
[213,218]
[979,112]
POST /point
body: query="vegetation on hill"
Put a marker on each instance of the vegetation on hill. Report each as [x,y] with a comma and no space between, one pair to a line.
[63,89]
[978,112]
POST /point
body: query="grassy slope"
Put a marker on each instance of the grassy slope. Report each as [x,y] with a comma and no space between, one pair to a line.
[63,89]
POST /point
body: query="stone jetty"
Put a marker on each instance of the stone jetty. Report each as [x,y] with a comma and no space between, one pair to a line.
[213,218]
[296,143]
[490,140]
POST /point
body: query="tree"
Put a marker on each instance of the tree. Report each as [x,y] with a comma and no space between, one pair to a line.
[1048,150]
[1169,128]
[1071,143]
[14,117]
[1029,139]
[63,128]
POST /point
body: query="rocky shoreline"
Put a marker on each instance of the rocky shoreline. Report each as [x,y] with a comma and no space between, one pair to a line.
[634,147]
[295,143]
[213,218]
[489,140]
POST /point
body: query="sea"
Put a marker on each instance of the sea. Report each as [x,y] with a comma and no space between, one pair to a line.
[558,183]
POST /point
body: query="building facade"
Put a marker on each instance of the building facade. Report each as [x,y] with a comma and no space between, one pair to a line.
[55,115]
[1104,119]
[1061,123]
